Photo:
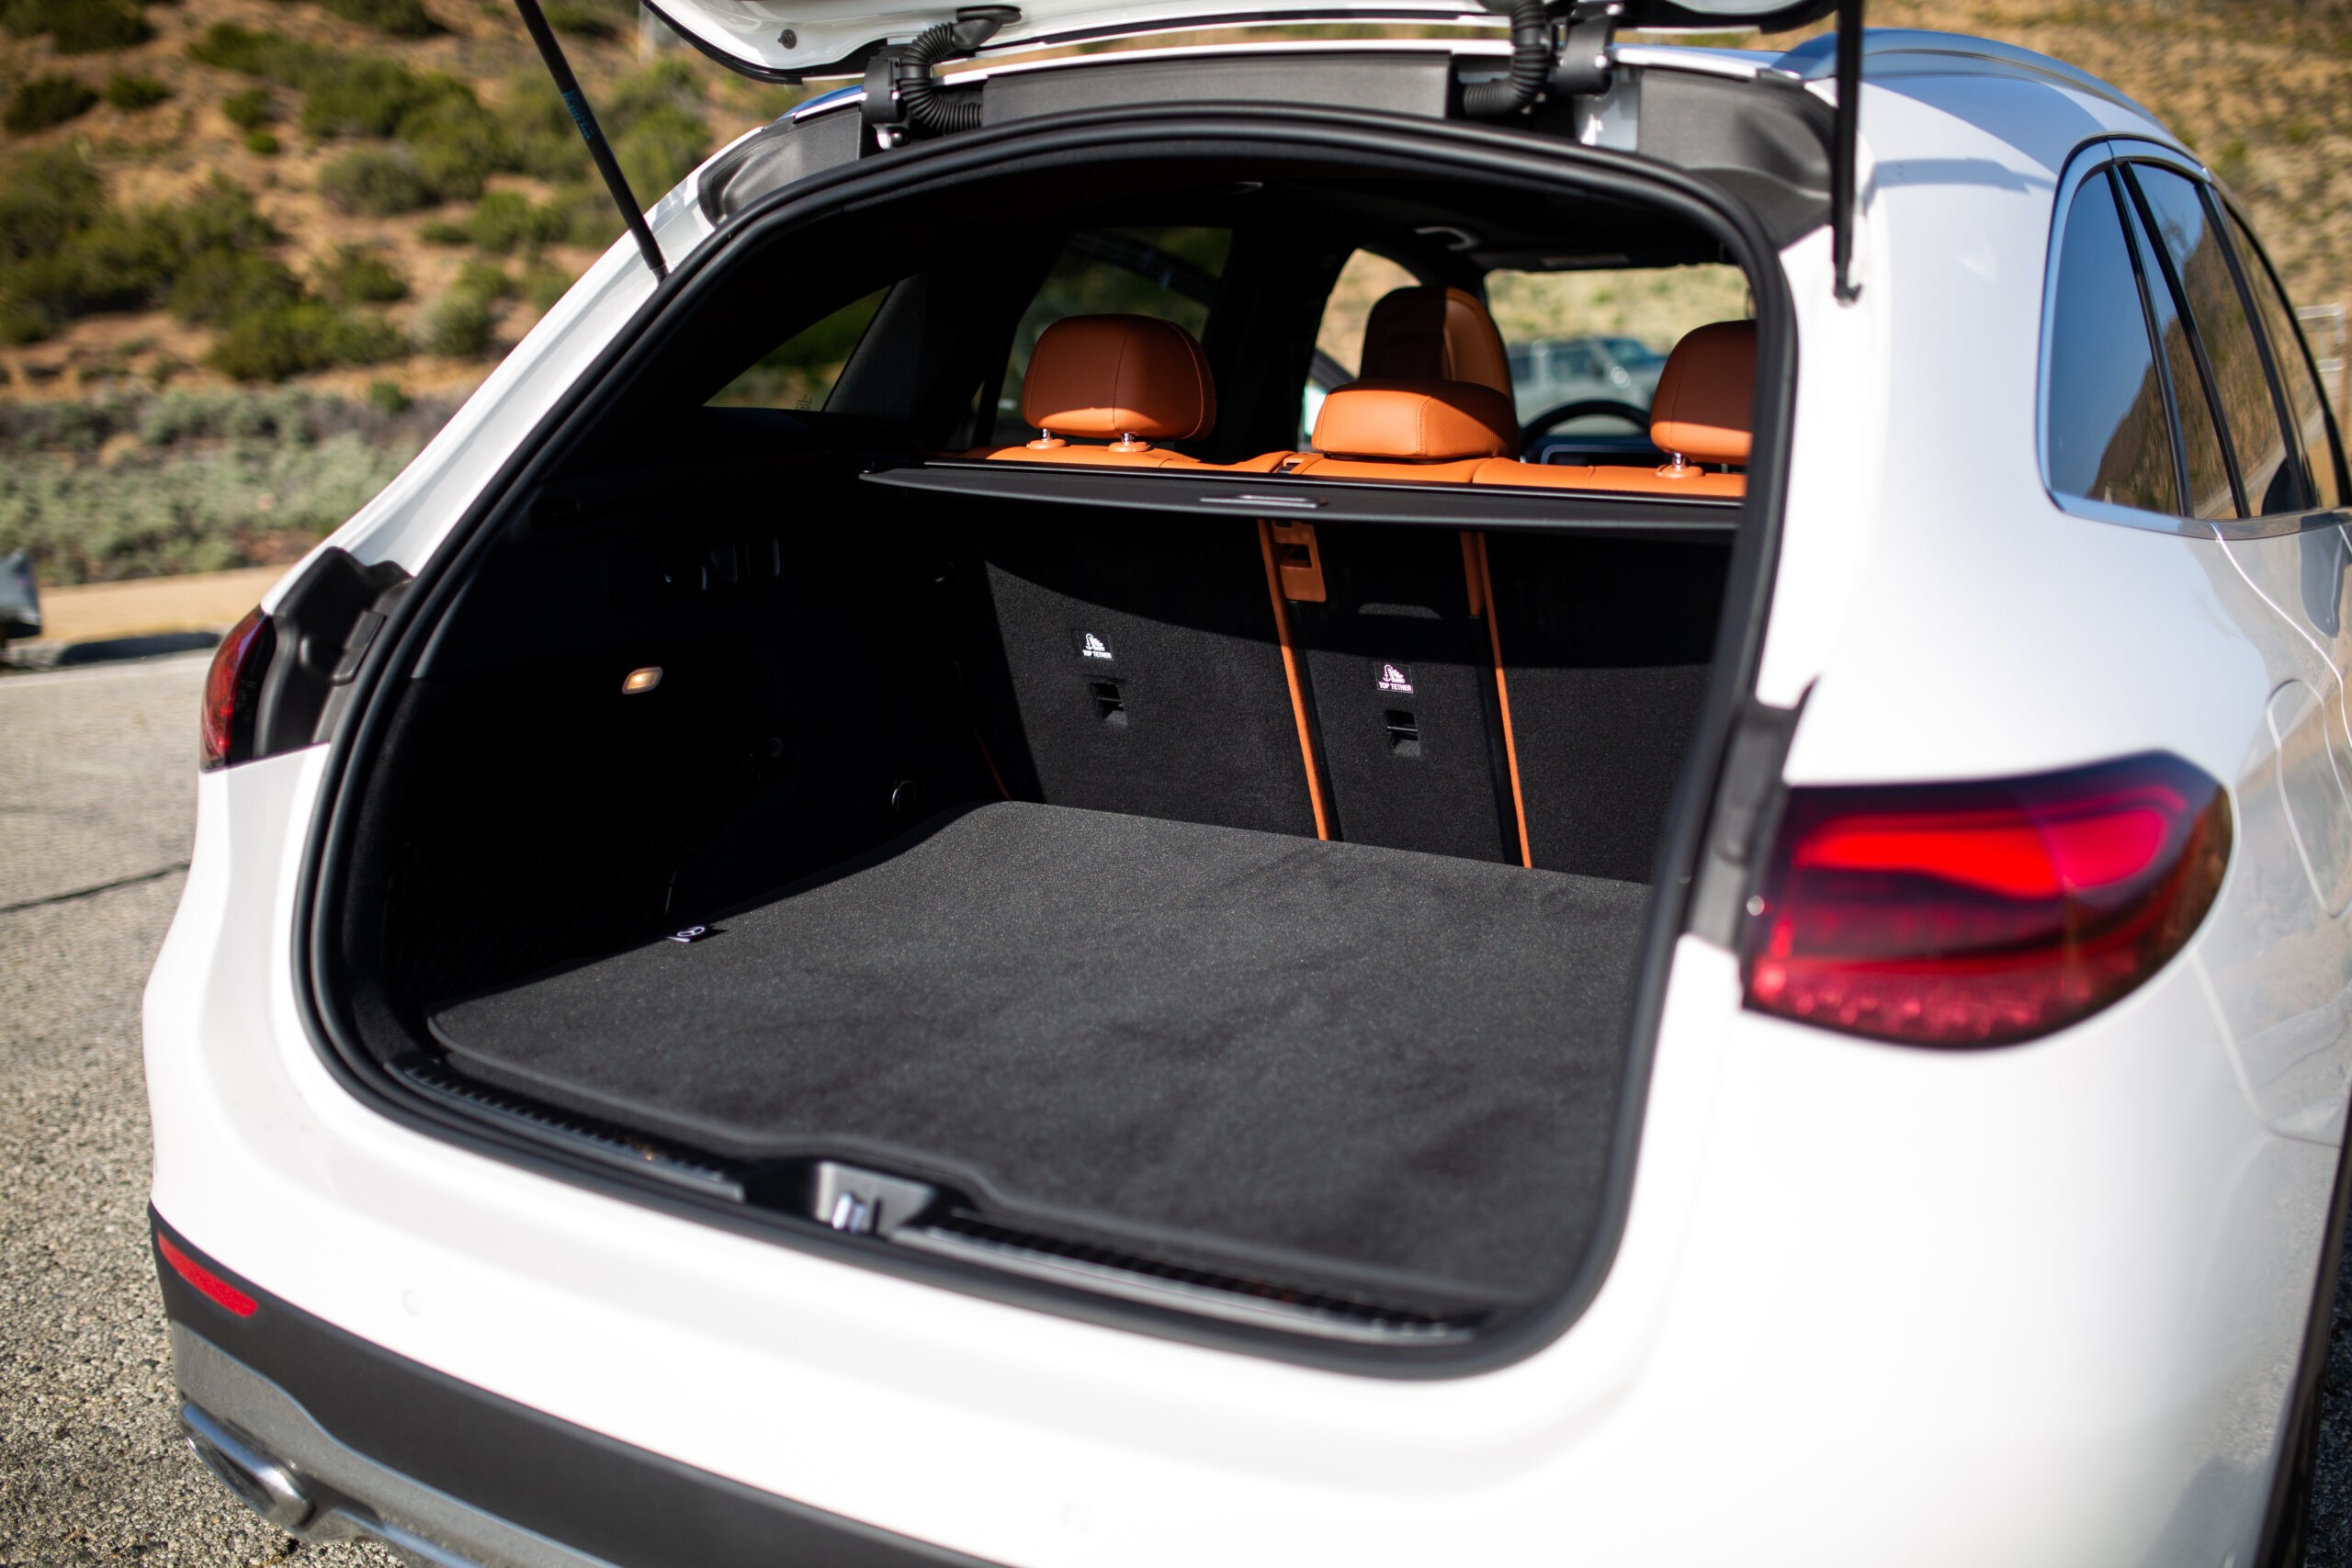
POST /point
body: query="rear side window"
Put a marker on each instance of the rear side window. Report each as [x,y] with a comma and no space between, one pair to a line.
[2183,224]
[799,373]
[2306,403]
[2211,495]
[2105,434]
[1171,273]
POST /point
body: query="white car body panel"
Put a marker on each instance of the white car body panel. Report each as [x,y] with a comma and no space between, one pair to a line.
[2036,1305]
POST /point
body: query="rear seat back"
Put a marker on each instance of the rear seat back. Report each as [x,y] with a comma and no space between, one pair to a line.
[1397,656]
[1127,662]
[1703,412]
[1605,646]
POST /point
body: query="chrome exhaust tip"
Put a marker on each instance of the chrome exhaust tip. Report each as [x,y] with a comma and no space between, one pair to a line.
[260,1481]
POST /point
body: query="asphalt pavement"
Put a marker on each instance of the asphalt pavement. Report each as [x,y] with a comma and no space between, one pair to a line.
[98,800]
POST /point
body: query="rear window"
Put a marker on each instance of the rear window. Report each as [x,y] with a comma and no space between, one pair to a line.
[2105,432]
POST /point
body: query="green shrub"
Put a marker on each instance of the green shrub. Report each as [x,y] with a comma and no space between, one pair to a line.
[44,199]
[72,256]
[262,139]
[442,232]
[506,221]
[250,109]
[385,396]
[401,19]
[78,27]
[544,285]
[457,327]
[588,19]
[485,281]
[304,336]
[355,275]
[270,55]
[541,138]
[587,215]
[218,286]
[45,101]
[656,125]
[456,144]
[132,93]
[373,180]
[93,27]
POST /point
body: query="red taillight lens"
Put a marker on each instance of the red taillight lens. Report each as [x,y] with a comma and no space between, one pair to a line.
[1978,914]
[231,692]
[218,1290]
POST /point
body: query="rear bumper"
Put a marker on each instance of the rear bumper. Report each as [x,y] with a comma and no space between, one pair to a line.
[332,1437]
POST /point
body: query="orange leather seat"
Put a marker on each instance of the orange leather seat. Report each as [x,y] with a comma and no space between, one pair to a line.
[1427,431]
[1100,389]
[1433,333]
[1704,412]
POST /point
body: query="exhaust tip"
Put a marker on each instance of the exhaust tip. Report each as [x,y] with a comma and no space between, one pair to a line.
[263,1483]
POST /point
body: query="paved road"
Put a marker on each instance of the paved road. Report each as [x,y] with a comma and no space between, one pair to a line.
[97,785]
[98,789]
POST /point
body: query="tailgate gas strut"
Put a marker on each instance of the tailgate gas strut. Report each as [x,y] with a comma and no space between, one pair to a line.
[599,148]
[1843,156]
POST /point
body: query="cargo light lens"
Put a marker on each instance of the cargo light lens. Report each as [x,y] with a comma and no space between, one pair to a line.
[1979,914]
[214,1288]
[233,691]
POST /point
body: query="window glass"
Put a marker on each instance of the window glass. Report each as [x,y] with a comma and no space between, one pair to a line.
[1603,336]
[2210,495]
[1169,273]
[2303,395]
[1339,338]
[799,373]
[2107,435]
[2241,383]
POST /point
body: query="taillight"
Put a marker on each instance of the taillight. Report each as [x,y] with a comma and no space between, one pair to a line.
[232,692]
[1977,914]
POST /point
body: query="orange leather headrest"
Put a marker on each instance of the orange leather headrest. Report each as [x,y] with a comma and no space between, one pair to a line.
[1107,375]
[1416,421]
[1706,406]
[1434,333]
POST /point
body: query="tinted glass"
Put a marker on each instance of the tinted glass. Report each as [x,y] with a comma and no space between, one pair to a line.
[1169,273]
[2241,383]
[799,373]
[2303,394]
[2107,436]
[2209,476]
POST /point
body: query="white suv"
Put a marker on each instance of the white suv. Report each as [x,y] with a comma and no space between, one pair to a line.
[880,916]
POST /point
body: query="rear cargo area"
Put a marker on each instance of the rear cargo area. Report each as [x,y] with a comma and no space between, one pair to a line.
[1373,1057]
[1157,921]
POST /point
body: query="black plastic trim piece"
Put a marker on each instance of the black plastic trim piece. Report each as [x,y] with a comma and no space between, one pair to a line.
[1349,139]
[1498,507]
[618,1503]
[326,623]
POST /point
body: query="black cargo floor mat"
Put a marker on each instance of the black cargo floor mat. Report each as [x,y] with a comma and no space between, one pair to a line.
[1370,1065]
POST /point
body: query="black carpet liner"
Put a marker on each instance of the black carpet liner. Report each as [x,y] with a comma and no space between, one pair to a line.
[1359,1065]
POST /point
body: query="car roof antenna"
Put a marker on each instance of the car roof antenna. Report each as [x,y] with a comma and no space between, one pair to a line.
[1844,155]
[599,148]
